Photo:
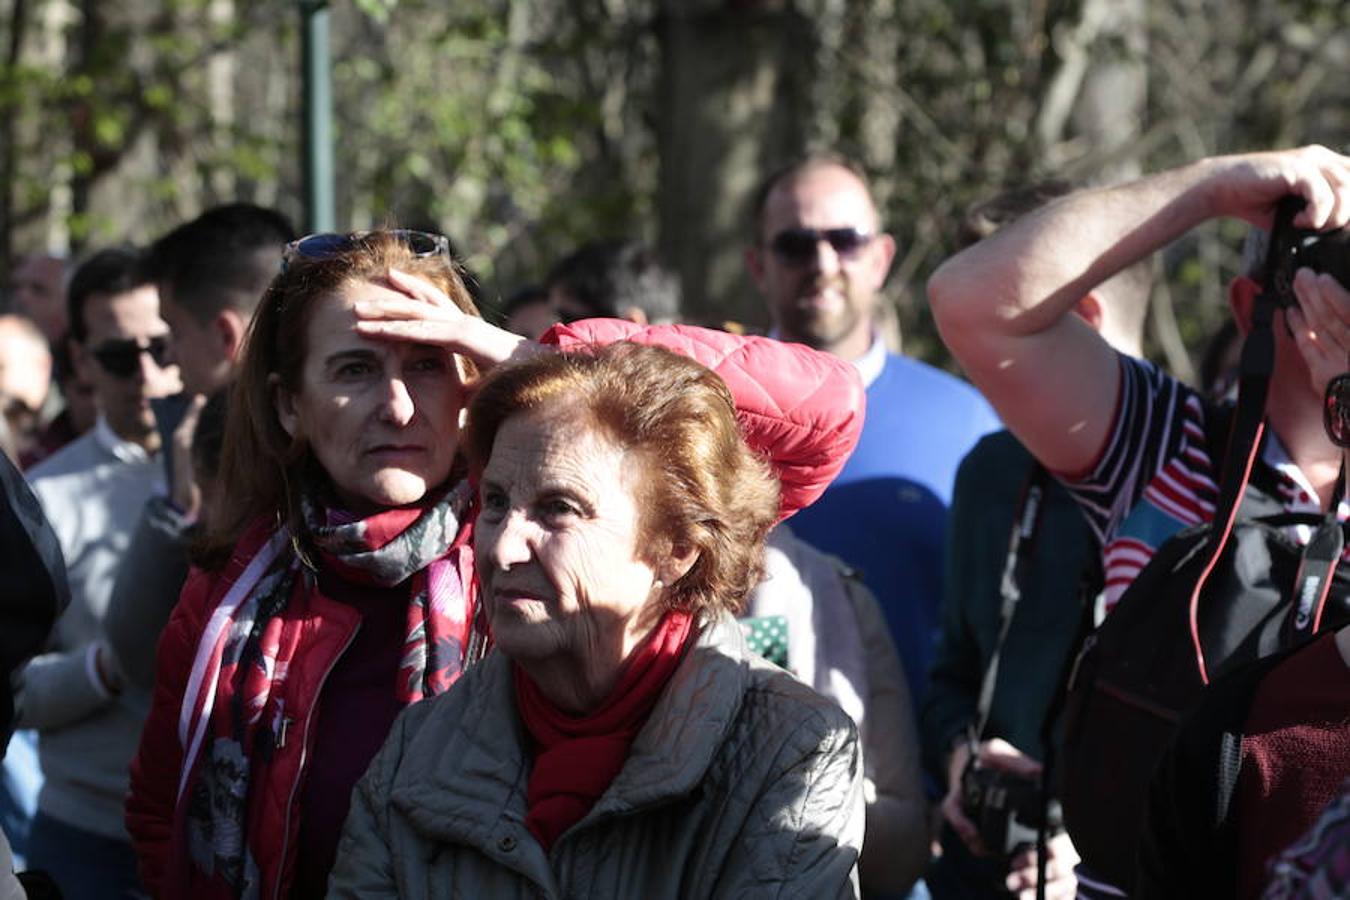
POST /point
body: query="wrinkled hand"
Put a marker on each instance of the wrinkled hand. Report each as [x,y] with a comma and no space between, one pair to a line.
[425,315]
[1321,325]
[1249,186]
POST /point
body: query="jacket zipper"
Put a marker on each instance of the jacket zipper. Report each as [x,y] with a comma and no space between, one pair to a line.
[304,755]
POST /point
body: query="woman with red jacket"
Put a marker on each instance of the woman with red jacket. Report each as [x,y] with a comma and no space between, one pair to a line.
[340,584]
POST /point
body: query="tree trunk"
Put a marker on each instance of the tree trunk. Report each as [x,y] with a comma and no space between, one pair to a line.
[727,101]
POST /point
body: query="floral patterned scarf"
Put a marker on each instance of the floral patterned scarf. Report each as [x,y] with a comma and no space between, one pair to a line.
[422,546]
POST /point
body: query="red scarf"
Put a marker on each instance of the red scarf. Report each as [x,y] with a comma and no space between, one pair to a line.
[577,759]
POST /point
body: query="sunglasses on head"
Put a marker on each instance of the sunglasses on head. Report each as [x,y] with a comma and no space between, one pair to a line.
[330,244]
[122,358]
[1336,410]
[796,246]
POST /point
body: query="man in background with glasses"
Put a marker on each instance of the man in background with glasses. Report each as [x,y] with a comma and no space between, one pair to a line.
[92,490]
[820,257]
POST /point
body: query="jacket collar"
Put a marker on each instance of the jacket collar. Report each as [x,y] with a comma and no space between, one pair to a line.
[464,773]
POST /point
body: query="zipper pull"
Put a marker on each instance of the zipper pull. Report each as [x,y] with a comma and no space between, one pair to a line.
[282,728]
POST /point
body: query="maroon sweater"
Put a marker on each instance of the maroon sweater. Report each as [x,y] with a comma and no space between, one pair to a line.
[355,714]
[1295,755]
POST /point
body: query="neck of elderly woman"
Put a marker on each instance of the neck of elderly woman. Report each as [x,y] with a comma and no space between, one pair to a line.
[578,683]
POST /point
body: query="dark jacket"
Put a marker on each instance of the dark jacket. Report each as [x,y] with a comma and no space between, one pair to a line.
[34,572]
[1043,635]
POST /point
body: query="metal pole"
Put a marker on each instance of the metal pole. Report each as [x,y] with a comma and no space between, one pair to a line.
[318,94]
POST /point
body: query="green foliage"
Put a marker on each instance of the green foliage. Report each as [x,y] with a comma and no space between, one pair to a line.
[523,127]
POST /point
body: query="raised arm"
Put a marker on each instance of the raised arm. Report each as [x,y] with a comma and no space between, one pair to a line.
[1003,305]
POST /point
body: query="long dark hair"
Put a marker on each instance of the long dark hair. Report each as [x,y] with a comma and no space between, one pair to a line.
[263,468]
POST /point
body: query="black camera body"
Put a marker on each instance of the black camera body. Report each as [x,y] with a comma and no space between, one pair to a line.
[1293,248]
[1006,809]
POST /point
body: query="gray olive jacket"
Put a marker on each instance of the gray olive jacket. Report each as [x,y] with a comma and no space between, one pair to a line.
[743,783]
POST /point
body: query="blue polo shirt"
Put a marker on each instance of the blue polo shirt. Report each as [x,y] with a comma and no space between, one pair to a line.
[886,513]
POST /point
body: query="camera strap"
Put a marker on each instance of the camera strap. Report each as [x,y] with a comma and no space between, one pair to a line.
[1021,541]
[1256,366]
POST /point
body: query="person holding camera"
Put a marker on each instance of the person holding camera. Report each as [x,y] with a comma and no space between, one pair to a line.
[1018,557]
[1131,443]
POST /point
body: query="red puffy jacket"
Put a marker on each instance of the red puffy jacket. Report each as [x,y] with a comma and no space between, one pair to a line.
[802,409]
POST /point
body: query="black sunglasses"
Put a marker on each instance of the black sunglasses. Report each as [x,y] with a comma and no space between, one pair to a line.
[330,244]
[122,358]
[797,246]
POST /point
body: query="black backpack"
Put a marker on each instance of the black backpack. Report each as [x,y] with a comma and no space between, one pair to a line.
[1213,597]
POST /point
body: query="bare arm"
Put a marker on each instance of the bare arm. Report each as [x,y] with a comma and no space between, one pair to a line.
[1003,305]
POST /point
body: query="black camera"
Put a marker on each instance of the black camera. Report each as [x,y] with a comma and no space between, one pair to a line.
[1293,248]
[1006,809]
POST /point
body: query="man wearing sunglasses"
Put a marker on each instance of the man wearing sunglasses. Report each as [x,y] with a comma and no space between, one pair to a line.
[92,490]
[820,258]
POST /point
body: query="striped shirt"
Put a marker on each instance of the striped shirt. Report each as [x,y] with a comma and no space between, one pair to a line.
[1155,475]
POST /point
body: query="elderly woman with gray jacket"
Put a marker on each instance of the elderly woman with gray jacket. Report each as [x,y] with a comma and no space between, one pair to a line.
[621,740]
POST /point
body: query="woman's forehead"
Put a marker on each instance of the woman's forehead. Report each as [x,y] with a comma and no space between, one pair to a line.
[554,441]
[332,324]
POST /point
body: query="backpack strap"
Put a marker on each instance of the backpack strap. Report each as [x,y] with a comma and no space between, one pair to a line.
[1316,572]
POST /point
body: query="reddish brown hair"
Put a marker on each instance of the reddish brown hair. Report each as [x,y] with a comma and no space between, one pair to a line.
[263,467]
[702,487]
